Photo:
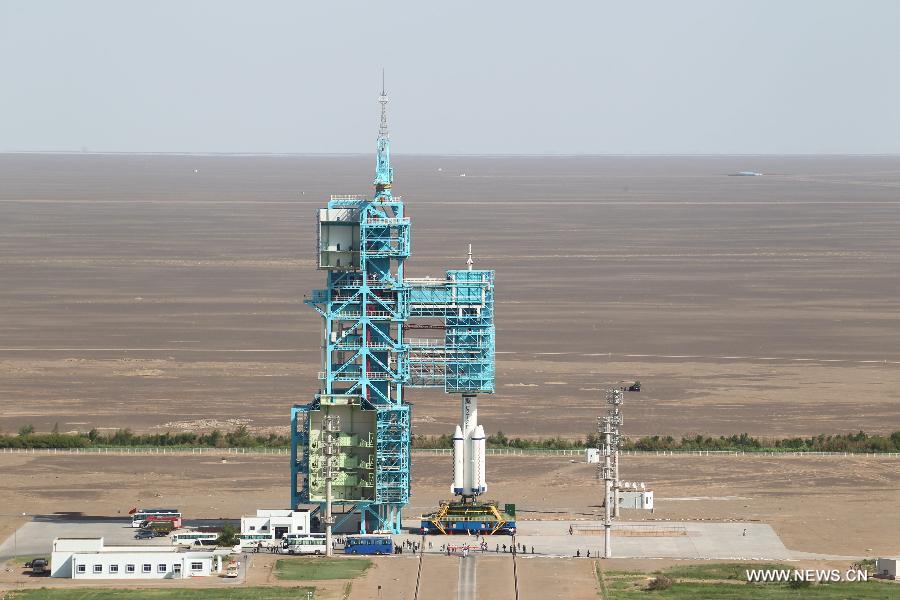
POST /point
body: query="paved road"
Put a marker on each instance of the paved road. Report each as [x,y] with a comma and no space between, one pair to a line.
[467,588]
[36,537]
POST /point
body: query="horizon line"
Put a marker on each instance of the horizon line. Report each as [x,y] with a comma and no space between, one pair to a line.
[453,155]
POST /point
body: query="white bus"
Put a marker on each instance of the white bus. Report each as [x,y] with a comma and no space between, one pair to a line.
[141,516]
[303,543]
[258,540]
[194,537]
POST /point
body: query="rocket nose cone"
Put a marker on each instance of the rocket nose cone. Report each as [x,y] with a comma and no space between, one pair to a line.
[458,432]
[479,431]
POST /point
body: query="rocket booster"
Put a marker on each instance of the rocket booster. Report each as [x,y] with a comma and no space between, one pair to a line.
[458,457]
[469,452]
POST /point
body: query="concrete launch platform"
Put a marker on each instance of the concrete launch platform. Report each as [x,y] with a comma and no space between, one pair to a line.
[664,539]
[642,539]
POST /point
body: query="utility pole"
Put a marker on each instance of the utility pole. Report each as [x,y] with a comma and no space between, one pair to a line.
[614,399]
[331,427]
[608,428]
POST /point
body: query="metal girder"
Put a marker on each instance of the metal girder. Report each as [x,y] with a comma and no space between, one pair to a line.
[364,310]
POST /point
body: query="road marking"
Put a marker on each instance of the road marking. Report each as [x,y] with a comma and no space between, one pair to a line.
[467,587]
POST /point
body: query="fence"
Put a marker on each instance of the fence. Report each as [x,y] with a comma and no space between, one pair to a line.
[141,450]
[581,452]
[176,450]
[653,530]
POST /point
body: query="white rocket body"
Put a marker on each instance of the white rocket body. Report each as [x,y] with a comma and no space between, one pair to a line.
[458,457]
[469,452]
[478,446]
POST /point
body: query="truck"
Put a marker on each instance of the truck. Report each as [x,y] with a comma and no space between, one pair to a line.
[159,528]
[38,566]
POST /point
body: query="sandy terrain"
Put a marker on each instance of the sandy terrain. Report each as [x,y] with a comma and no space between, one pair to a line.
[825,505]
[816,504]
[560,579]
[138,292]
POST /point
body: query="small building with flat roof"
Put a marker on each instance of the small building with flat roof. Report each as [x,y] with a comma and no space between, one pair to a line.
[91,558]
[276,522]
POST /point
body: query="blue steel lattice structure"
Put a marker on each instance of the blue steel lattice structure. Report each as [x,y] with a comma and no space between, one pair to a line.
[367,307]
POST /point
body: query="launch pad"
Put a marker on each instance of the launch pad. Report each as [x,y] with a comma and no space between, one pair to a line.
[470,517]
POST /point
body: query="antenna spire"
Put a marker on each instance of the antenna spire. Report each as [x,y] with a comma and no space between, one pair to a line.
[469,261]
[384,174]
[383,99]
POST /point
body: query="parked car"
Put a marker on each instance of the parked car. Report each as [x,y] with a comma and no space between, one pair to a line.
[232,571]
[144,535]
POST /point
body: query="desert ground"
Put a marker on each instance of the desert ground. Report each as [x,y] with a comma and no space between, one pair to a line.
[823,505]
[165,292]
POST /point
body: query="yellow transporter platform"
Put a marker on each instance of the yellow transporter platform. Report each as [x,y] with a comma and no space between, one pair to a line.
[469,518]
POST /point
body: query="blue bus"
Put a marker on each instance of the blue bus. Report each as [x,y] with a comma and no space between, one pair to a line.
[369,544]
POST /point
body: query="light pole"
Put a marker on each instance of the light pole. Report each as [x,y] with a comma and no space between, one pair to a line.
[15,532]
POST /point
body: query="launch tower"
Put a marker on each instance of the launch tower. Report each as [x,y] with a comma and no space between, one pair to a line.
[350,445]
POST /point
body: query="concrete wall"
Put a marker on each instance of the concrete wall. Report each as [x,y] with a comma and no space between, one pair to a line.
[133,565]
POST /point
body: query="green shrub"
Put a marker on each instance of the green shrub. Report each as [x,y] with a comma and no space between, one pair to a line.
[659,583]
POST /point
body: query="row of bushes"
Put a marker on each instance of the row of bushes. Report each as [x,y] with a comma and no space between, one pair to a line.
[238,438]
[500,440]
[846,442]
[850,442]
[242,438]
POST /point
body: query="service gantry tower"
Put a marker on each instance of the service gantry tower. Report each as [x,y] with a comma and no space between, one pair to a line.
[354,437]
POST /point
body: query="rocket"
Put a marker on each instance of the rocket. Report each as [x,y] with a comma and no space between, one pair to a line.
[468,451]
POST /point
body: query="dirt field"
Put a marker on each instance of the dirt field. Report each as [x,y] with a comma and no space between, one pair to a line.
[166,292]
[823,505]
[557,579]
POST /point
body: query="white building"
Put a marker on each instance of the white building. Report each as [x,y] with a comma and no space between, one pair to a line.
[273,524]
[592,455]
[633,494]
[90,558]
[886,568]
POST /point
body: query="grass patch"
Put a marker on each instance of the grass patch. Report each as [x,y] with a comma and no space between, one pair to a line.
[727,581]
[735,571]
[771,591]
[303,569]
[252,593]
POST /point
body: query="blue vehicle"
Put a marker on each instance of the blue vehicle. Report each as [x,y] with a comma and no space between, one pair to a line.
[369,544]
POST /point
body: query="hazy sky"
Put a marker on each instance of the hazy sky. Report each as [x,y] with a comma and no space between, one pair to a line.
[718,76]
